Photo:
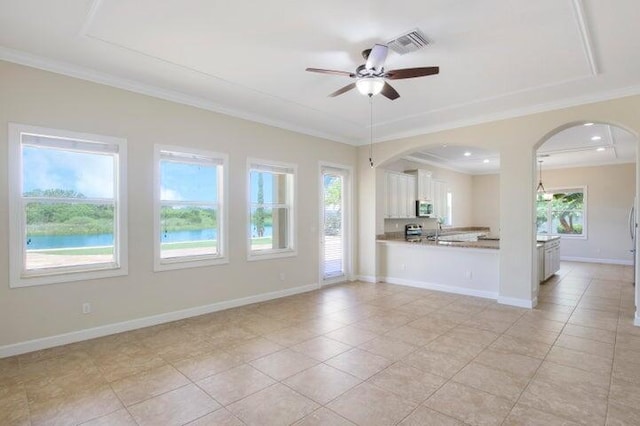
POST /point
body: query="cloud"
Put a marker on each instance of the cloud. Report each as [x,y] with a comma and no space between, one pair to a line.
[169,194]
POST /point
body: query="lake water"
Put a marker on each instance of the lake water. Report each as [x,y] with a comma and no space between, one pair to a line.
[39,242]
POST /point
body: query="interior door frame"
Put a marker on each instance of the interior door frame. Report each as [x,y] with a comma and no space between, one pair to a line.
[348,223]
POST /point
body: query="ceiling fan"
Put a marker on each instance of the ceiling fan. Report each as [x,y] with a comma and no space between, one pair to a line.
[370,76]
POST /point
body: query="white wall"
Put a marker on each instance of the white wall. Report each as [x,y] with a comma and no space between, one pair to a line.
[35,97]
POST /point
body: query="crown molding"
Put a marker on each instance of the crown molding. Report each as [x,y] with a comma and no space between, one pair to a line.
[585,35]
[88,74]
[83,73]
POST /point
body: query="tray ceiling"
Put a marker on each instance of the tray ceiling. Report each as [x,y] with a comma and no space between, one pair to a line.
[497,58]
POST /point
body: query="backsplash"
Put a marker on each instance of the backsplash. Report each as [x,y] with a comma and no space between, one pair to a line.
[397,225]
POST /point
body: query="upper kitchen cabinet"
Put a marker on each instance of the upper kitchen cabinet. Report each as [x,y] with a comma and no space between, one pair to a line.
[400,191]
[430,189]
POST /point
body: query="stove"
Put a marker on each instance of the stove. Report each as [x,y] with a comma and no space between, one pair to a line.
[412,231]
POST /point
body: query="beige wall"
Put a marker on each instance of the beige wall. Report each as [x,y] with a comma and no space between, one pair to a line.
[516,139]
[610,192]
[35,97]
[485,202]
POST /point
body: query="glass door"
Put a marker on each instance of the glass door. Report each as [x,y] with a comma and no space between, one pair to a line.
[334,253]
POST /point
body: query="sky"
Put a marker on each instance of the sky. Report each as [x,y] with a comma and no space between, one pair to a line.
[92,176]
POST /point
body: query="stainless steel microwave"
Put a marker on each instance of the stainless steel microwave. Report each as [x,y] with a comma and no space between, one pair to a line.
[424,208]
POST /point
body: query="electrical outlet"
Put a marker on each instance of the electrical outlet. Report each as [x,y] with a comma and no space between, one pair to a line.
[468,275]
[281,276]
[403,267]
[86,308]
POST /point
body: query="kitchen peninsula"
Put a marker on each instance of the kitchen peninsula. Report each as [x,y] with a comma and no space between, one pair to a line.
[460,260]
[456,262]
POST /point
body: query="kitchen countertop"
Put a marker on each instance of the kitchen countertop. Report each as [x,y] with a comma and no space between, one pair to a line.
[547,238]
[424,241]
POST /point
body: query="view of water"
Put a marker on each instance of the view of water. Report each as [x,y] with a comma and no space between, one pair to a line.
[39,242]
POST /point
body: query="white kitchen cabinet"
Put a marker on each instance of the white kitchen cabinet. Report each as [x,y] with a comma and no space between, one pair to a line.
[424,184]
[399,198]
[551,258]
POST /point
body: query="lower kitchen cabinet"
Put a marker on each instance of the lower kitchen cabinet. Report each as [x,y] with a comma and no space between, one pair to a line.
[551,258]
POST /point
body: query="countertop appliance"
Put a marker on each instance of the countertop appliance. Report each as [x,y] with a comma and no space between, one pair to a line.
[413,232]
[424,208]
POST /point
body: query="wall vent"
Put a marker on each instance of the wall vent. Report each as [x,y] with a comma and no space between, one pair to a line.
[409,42]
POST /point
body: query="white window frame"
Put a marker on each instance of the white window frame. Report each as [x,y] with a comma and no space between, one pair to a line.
[18,275]
[194,261]
[291,250]
[574,188]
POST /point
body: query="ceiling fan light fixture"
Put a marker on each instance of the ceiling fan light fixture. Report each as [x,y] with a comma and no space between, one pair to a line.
[370,86]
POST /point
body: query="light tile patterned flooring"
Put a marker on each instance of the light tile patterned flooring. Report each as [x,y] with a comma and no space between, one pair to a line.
[366,354]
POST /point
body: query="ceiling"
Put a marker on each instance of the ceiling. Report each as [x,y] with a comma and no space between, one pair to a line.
[579,146]
[497,58]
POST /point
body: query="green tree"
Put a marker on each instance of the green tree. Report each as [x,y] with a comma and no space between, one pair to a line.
[259,216]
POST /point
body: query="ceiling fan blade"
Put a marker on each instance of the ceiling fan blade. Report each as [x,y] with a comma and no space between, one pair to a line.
[377,56]
[389,92]
[333,72]
[341,91]
[411,72]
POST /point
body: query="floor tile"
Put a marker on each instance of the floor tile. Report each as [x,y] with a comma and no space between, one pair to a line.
[470,405]
[413,336]
[283,364]
[369,405]
[275,405]
[597,334]
[585,345]
[14,409]
[526,416]
[148,384]
[581,360]
[511,362]
[235,384]
[496,382]
[321,348]
[254,348]
[621,415]
[199,367]
[322,383]
[351,335]
[75,408]
[117,418]
[323,417]
[407,382]
[388,347]
[220,417]
[176,407]
[423,416]
[522,346]
[438,363]
[359,363]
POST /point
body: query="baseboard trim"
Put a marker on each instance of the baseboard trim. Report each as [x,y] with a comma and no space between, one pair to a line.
[441,287]
[636,319]
[593,260]
[367,278]
[520,303]
[119,327]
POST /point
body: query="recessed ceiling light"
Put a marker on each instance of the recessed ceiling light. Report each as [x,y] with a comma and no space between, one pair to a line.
[596,138]
[602,148]
[467,154]
[588,124]
[486,160]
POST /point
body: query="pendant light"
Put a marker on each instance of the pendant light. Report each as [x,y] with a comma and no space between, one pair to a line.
[371,130]
[540,189]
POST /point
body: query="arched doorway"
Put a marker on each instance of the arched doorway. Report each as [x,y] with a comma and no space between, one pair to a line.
[587,181]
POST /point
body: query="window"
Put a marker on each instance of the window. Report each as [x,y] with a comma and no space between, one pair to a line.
[271,210]
[67,206]
[189,216]
[563,212]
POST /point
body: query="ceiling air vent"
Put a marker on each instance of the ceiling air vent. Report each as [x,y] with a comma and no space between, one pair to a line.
[409,42]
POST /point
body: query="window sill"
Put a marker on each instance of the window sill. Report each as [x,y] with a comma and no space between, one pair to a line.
[271,254]
[65,276]
[187,263]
